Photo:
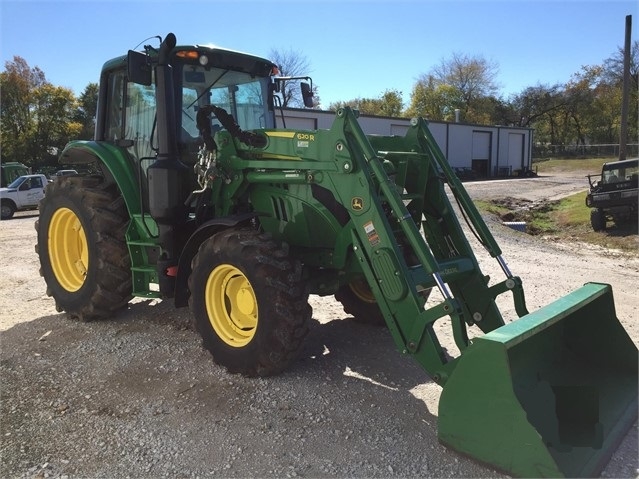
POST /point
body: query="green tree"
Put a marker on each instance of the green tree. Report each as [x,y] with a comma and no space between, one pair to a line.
[36,116]
[535,103]
[584,110]
[460,82]
[388,104]
[542,107]
[86,111]
[53,111]
[18,83]
[434,101]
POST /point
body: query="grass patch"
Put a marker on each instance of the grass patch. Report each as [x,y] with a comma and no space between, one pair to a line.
[572,212]
[564,220]
[591,166]
[492,207]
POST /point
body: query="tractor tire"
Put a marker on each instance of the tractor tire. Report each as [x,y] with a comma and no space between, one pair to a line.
[598,220]
[249,303]
[82,248]
[7,209]
[358,300]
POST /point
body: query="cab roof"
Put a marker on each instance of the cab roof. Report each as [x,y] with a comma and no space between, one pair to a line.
[217,56]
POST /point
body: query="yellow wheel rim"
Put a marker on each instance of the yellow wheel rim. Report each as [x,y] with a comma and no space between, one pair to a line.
[361,289]
[231,305]
[68,249]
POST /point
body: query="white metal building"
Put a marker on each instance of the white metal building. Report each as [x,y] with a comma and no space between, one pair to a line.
[488,150]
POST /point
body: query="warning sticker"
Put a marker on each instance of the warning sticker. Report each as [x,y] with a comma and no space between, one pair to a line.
[371,233]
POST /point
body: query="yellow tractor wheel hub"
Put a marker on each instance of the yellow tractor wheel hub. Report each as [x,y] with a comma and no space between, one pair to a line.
[68,249]
[231,305]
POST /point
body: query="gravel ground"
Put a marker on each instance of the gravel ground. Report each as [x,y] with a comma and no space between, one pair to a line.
[137,396]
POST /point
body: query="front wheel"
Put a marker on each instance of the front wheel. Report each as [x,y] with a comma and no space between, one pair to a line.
[7,210]
[81,244]
[248,301]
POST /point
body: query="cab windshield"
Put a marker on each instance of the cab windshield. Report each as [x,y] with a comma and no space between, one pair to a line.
[17,182]
[240,94]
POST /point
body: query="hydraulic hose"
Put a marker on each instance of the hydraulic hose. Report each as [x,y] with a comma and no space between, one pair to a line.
[228,122]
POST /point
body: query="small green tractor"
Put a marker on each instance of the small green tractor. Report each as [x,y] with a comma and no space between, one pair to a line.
[200,198]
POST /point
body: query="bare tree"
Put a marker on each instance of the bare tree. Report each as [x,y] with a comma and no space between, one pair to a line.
[291,64]
[613,66]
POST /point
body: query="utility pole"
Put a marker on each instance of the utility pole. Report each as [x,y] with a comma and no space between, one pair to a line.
[623,131]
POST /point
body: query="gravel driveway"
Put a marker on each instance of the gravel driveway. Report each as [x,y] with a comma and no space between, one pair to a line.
[137,396]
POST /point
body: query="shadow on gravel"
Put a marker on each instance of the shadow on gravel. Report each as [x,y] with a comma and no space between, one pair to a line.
[366,349]
[20,215]
[138,396]
[141,394]
[622,231]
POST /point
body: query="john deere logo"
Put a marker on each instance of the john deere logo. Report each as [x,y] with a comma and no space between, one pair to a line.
[357,203]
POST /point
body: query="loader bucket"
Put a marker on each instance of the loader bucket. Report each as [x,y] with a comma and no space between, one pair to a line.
[549,395]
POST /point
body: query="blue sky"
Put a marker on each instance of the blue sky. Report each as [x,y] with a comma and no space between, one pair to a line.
[355,48]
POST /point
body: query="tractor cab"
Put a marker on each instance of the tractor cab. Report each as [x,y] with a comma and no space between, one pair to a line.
[245,86]
[201,75]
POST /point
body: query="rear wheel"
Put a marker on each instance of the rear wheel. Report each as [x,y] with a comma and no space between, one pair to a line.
[598,220]
[358,301]
[248,301]
[82,248]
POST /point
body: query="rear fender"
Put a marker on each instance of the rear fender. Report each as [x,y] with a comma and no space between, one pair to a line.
[192,246]
[114,161]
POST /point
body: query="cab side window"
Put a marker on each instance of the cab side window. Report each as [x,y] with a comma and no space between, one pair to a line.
[130,119]
[140,118]
[114,130]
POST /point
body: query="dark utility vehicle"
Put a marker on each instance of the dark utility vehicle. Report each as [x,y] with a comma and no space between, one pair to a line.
[613,197]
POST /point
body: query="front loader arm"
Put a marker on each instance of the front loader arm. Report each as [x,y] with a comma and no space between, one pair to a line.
[522,383]
[400,262]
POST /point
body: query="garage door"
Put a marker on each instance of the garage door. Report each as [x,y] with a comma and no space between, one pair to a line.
[481,152]
[481,145]
[516,150]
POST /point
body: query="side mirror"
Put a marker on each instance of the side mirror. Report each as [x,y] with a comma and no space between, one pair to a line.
[307,95]
[139,68]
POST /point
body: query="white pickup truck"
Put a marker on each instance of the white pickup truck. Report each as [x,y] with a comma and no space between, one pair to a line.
[24,193]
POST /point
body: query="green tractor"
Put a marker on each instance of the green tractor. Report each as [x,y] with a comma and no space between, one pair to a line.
[203,200]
